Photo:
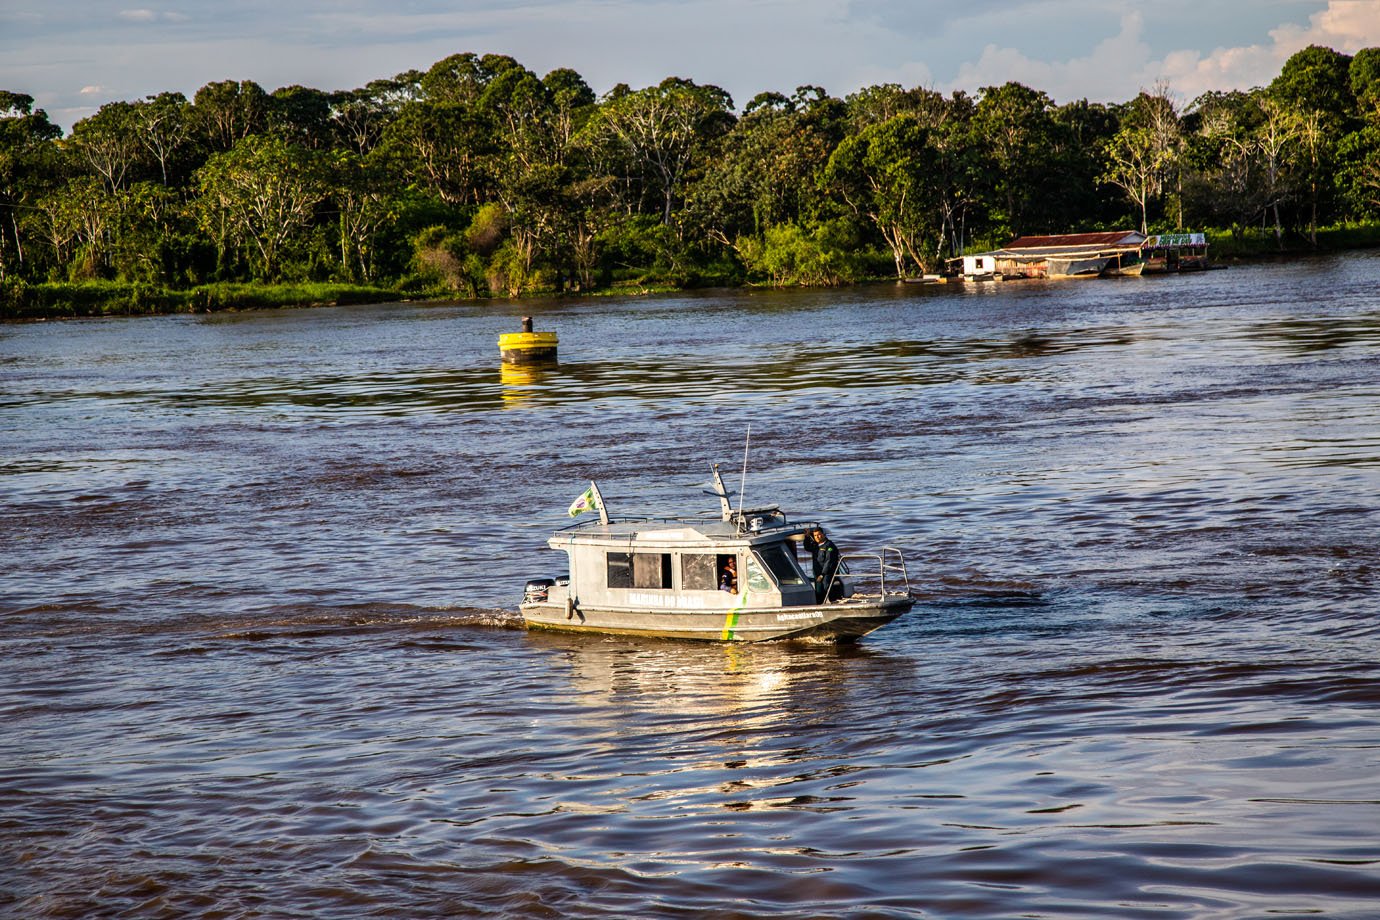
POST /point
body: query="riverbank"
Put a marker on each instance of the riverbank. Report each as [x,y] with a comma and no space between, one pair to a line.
[70,300]
[1257,243]
[21,301]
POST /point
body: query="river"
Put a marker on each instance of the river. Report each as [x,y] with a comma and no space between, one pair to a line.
[262,659]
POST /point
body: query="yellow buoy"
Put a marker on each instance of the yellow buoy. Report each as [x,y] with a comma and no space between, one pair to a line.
[527,347]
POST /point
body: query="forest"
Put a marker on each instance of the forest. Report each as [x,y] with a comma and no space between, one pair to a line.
[477,177]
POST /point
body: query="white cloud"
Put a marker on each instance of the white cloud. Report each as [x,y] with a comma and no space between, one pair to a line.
[1344,25]
[144,15]
[1120,66]
[1114,70]
[92,90]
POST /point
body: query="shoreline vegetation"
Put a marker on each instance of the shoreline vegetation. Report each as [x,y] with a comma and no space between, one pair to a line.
[476,178]
[23,302]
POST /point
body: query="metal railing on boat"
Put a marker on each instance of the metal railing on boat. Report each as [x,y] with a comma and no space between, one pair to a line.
[879,573]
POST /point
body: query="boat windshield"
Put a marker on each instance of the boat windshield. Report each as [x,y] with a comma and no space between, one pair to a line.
[780,563]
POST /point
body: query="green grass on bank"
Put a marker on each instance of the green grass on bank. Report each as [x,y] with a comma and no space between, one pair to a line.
[1260,243]
[63,300]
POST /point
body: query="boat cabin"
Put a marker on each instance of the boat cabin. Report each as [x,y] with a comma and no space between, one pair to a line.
[687,565]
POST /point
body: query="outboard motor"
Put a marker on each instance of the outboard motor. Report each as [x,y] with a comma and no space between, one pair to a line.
[536,590]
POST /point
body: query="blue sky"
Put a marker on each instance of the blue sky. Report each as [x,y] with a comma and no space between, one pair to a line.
[74,55]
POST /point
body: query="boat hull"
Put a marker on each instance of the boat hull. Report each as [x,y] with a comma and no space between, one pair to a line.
[842,621]
[1133,270]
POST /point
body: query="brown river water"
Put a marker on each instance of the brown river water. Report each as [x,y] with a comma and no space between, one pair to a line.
[259,576]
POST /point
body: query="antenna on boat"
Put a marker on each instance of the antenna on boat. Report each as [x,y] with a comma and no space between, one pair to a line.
[742,486]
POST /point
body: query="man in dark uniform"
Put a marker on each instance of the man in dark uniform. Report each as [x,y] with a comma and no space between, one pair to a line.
[825,556]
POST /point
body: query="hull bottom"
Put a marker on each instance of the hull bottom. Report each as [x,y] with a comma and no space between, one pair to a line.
[844,621]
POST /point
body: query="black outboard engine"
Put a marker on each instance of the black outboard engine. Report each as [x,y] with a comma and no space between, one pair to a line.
[536,590]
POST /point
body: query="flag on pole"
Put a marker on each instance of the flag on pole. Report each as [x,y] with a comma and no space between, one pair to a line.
[588,500]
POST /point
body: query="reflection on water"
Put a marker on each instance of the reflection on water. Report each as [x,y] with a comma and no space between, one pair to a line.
[262,655]
[522,383]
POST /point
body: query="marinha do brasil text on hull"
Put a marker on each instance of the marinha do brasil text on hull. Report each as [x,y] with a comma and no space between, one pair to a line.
[734,577]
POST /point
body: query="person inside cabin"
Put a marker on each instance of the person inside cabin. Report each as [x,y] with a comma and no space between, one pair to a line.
[728,576]
[825,557]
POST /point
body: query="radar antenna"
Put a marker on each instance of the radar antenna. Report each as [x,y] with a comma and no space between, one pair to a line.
[742,487]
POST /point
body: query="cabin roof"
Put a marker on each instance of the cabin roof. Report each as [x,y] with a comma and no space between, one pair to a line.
[689,532]
[1067,245]
[1113,238]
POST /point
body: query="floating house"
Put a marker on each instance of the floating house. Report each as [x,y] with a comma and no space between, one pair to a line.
[1060,256]
[1089,255]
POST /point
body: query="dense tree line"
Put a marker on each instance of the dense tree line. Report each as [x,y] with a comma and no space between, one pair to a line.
[478,176]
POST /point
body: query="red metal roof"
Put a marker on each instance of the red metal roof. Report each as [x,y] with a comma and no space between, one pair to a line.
[1112,238]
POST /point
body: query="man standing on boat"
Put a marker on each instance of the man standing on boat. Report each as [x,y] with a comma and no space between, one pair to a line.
[825,556]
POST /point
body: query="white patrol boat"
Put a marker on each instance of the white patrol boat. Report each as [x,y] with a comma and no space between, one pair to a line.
[737,578]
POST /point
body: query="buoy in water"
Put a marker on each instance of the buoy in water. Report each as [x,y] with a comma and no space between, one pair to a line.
[527,347]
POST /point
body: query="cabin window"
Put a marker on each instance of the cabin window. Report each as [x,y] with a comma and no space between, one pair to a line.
[781,564]
[698,572]
[709,572]
[757,580]
[651,570]
[620,570]
[639,570]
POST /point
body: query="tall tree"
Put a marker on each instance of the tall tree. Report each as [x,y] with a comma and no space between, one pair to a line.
[1318,79]
[301,115]
[1276,138]
[887,175]
[1013,124]
[1081,196]
[79,219]
[768,171]
[1364,77]
[163,125]
[1224,184]
[1313,95]
[365,204]
[666,128]
[572,103]
[27,158]
[227,112]
[444,149]
[258,196]
[360,116]
[108,142]
[1145,151]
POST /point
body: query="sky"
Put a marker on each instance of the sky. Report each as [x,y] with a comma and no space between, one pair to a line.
[73,56]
